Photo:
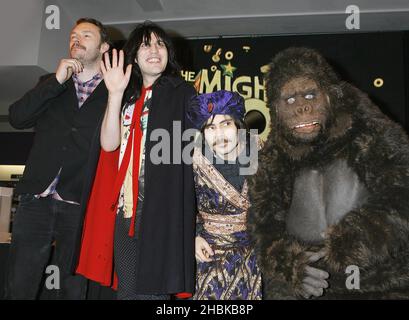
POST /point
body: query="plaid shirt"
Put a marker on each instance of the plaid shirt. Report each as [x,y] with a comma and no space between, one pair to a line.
[83,90]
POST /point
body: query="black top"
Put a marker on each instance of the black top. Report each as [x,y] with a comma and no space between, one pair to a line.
[63,135]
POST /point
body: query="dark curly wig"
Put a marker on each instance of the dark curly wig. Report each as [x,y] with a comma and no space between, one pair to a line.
[142,33]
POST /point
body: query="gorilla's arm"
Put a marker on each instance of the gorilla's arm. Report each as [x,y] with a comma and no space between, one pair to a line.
[377,232]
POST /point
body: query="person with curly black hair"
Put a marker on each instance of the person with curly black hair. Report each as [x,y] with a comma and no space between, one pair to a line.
[140,215]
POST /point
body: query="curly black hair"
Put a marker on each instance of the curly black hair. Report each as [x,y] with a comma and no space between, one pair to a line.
[142,33]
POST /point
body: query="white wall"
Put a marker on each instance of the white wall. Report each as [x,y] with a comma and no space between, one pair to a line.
[20,31]
[54,44]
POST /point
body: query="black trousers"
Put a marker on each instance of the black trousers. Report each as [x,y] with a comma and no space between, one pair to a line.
[126,260]
[37,223]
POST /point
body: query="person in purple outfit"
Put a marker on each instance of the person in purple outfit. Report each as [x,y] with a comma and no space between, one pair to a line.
[226,262]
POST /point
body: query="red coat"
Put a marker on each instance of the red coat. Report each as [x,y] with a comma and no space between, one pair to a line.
[96,254]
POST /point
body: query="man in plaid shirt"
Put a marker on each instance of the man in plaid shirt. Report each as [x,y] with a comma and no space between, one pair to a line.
[65,109]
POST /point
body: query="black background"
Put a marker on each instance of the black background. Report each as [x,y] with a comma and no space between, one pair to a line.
[358,57]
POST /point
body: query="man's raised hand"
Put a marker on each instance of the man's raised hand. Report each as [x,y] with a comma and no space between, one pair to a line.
[115,79]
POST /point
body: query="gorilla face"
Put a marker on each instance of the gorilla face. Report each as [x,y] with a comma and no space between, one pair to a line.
[303,110]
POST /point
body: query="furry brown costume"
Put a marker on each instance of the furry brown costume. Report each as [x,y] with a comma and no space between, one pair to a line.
[333,175]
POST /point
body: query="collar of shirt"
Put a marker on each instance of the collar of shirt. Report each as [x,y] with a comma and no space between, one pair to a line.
[87,83]
[84,89]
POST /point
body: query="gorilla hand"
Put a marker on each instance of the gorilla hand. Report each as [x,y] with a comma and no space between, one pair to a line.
[314,282]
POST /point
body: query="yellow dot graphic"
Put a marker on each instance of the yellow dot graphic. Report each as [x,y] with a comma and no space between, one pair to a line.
[229,55]
[207,48]
[378,82]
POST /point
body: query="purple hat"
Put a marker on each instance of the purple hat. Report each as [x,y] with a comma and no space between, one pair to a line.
[206,105]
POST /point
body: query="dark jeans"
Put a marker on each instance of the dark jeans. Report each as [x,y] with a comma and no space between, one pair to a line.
[37,223]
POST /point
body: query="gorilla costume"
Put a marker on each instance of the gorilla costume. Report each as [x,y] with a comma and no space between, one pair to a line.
[332,188]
